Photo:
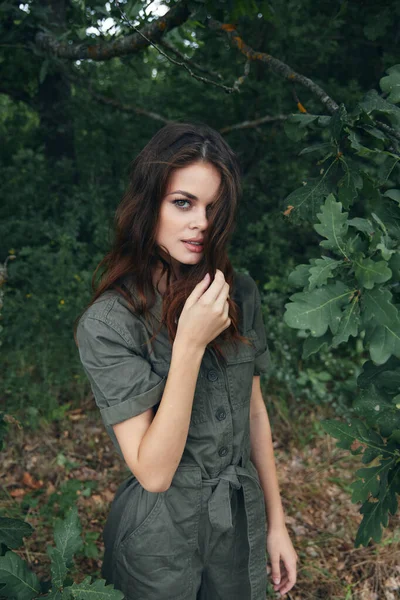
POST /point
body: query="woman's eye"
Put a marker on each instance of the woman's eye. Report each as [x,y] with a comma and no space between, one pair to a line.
[180,205]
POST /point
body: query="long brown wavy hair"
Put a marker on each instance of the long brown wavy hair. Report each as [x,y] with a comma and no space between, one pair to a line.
[135,252]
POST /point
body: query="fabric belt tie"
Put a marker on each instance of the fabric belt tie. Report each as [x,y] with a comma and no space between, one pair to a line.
[219,503]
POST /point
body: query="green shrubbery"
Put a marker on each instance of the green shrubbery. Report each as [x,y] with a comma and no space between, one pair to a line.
[353,289]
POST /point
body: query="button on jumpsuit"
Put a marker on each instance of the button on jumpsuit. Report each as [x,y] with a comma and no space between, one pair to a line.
[205,537]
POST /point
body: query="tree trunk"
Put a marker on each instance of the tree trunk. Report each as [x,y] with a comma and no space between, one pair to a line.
[54,95]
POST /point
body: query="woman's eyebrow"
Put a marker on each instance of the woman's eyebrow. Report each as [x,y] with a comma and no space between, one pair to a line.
[188,194]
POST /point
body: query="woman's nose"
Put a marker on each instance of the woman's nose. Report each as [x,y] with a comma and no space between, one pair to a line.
[201,220]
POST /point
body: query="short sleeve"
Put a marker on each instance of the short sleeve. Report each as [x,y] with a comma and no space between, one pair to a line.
[123,382]
[262,362]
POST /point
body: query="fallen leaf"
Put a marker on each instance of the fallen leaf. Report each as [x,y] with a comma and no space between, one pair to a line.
[28,480]
[17,493]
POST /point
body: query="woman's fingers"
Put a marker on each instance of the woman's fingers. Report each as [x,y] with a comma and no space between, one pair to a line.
[288,579]
[198,290]
[213,292]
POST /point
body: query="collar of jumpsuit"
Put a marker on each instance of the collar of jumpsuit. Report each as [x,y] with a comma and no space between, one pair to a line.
[233,476]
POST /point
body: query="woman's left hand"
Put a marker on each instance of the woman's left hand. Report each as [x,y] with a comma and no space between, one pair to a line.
[280,548]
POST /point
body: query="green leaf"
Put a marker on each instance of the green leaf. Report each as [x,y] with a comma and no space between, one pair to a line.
[371,453]
[67,536]
[81,33]
[389,213]
[293,131]
[385,376]
[324,120]
[299,276]
[349,323]
[321,271]
[12,531]
[58,595]
[94,591]
[317,310]
[363,225]
[374,103]
[380,223]
[394,195]
[355,142]
[307,199]
[20,582]
[376,408]
[347,433]
[376,133]
[383,341]
[394,265]
[395,437]
[378,306]
[387,169]
[339,118]
[322,148]
[376,513]
[302,120]
[391,84]
[132,9]
[312,344]
[370,485]
[355,245]
[349,185]
[381,319]
[333,225]
[385,251]
[58,566]
[369,272]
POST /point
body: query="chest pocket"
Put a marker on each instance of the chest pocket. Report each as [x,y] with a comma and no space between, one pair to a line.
[161,367]
[240,368]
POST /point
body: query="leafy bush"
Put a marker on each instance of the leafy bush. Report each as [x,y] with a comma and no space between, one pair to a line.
[18,581]
[352,289]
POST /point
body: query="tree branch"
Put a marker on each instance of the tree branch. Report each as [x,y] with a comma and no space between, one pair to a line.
[121,47]
[239,81]
[200,68]
[106,100]
[127,107]
[387,129]
[255,123]
[172,60]
[276,65]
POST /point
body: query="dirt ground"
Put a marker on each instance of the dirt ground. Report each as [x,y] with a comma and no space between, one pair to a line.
[314,478]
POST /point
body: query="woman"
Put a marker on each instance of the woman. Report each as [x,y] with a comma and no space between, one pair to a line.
[173,344]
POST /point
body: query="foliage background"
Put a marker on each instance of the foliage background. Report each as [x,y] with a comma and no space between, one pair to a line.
[58,198]
[70,128]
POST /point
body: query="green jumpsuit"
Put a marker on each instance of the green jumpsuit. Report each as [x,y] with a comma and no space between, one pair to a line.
[205,537]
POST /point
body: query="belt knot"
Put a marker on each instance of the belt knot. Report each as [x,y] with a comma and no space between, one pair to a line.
[219,504]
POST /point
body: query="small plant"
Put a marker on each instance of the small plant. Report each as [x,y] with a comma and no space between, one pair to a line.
[19,582]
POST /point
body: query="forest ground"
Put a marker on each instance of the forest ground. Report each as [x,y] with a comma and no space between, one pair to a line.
[72,461]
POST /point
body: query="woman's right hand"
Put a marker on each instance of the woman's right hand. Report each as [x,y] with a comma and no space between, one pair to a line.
[205,313]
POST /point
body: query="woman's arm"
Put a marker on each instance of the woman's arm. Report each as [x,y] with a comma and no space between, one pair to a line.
[153,447]
[262,455]
[279,545]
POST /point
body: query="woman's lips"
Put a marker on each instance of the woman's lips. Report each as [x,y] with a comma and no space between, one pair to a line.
[193,247]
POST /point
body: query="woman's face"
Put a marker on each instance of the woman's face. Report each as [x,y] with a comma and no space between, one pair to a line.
[184,211]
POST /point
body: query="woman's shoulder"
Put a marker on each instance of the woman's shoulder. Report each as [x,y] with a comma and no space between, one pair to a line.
[244,287]
[107,306]
[109,313]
